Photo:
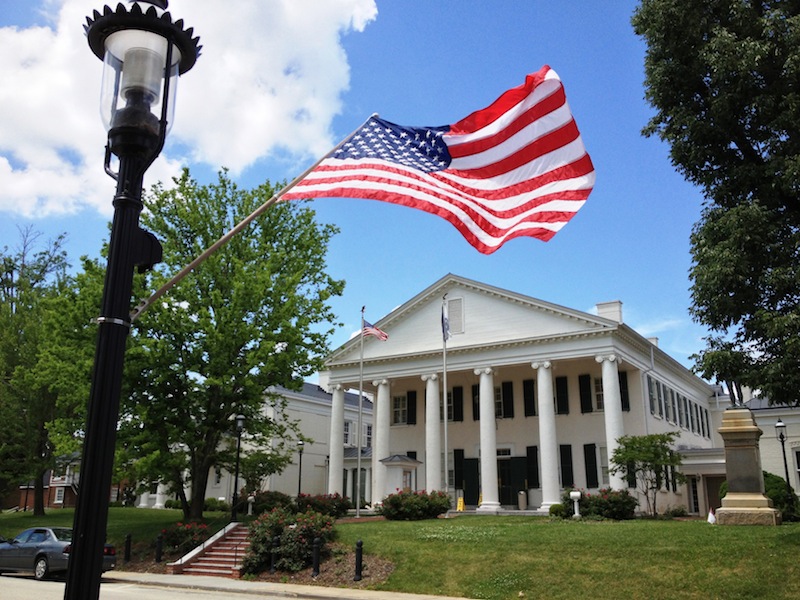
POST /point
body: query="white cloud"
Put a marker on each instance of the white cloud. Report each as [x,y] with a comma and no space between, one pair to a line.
[269,80]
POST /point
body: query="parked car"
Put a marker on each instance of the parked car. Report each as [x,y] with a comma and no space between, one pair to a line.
[44,551]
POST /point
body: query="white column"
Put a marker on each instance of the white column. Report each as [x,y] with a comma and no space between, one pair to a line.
[336,446]
[380,443]
[612,411]
[350,486]
[488,428]
[144,500]
[161,496]
[433,428]
[548,443]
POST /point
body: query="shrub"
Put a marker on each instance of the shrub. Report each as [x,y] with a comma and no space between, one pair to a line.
[212,504]
[333,505]
[414,506]
[182,537]
[296,532]
[558,511]
[606,503]
[775,490]
[269,500]
[676,511]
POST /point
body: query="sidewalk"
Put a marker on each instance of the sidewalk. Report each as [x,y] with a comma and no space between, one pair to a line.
[260,588]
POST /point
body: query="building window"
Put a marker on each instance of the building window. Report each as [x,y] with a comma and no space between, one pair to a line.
[368,436]
[399,410]
[498,402]
[651,390]
[598,393]
[455,315]
[59,499]
[347,434]
[604,465]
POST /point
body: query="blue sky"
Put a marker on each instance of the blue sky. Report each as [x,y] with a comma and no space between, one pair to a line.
[281,81]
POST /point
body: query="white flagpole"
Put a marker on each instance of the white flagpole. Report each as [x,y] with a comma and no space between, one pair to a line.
[360,408]
[445,335]
[144,304]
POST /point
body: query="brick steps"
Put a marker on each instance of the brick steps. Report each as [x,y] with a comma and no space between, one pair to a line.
[223,558]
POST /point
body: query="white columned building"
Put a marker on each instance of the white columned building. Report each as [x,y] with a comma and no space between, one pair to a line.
[539,394]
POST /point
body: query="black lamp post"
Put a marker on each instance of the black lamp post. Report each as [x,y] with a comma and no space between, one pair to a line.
[143,52]
[780,433]
[239,429]
[300,445]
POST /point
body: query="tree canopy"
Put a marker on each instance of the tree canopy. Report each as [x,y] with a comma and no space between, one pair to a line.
[724,79]
[256,314]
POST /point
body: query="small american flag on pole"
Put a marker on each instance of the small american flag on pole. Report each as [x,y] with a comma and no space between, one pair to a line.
[515,168]
[370,329]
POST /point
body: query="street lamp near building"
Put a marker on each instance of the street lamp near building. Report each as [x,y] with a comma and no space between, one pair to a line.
[300,445]
[780,433]
[143,51]
[239,428]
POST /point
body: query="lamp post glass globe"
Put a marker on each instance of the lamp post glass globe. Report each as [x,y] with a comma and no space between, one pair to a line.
[780,430]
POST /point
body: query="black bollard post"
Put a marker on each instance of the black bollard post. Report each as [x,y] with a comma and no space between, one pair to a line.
[276,541]
[127,556]
[315,568]
[159,547]
[359,559]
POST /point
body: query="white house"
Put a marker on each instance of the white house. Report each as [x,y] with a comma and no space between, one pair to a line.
[308,474]
[507,353]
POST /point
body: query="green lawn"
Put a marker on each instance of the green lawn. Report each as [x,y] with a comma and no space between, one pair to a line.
[143,525]
[498,557]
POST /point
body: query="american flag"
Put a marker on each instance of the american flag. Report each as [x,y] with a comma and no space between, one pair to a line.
[515,168]
[370,329]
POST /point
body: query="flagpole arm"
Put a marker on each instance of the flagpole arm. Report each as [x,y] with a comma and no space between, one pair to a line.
[145,304]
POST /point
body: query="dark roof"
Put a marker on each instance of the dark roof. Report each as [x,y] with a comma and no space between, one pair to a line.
[350,452]
[312,390]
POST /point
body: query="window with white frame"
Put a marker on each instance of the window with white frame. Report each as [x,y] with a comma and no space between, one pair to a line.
[449,407]
[598,394]
[455,315]
[399,410]
[368,435]
[348,434]
[59,499]
[603,465]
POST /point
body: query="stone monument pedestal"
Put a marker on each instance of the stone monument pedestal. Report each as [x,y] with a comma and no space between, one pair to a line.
[745,502]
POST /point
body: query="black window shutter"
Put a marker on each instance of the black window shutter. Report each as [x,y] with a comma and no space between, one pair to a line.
[458,467]
[590,457]
[562,396]
[411,398]
[533,466]
[476,403]
[585,385]
[623,391]
[631,477]
[567,478]
[508,399]
[458,403]
[529,397]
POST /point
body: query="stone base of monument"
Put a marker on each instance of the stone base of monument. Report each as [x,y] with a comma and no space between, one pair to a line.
[747,509]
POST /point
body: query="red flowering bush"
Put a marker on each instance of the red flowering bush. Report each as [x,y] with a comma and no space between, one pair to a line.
[182,537]
[296,533]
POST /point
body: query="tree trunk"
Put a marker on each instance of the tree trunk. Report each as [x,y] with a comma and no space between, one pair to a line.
[38,494]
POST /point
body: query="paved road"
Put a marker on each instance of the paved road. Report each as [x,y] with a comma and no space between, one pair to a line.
[26,588]
[127,586]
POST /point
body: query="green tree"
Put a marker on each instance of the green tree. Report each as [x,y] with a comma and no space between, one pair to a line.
[32,278]
[650,461]
[254,315]
[724,78]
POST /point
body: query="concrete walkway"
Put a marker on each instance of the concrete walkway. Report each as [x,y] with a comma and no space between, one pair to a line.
[260,588]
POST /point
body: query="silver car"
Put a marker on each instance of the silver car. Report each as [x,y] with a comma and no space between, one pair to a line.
[44,551]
